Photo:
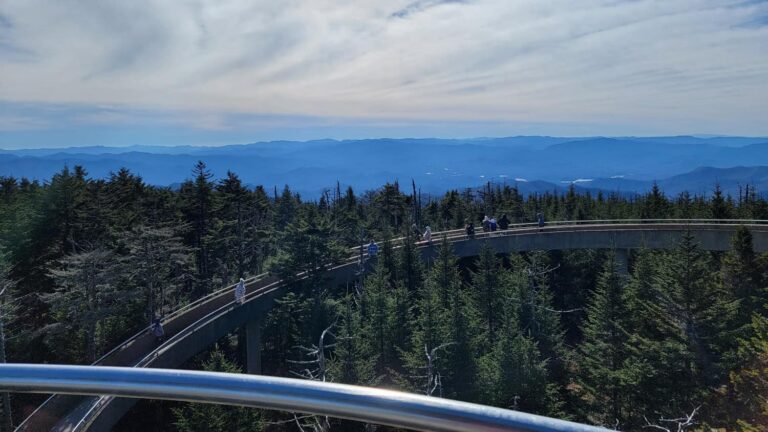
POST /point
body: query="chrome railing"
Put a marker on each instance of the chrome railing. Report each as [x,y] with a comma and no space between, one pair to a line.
[365,404]
[451,235]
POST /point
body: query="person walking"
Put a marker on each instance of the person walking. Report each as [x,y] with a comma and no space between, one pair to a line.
[428,235]
[240,292]
[493,224]
[157,329]
[373,249]
[486,224]
[540,219]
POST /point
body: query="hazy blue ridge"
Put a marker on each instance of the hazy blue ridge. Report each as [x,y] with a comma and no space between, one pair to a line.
[535,164]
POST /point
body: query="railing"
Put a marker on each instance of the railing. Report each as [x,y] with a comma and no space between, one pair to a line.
[458,233]
[451,235]
[365,404]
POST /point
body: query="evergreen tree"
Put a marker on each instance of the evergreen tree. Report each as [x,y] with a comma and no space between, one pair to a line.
[198,206]
[353,360]
[444,274]
[532,302]
[655,204]
[86,294]
[460,360]
[158,263]
[286,208]
[748,385]
[486,282]
[377,320]
[236,234]
[720,207]
[429,335]
[606,372]
[125,195]
[193,417]
[743,276]
[692,314]
[409,270]
[522,378]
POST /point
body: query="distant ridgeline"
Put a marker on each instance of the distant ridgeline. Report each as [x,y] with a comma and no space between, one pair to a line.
[89,262]
[534,164]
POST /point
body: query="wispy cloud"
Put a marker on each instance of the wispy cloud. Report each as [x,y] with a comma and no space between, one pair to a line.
[647,65]
[421,5]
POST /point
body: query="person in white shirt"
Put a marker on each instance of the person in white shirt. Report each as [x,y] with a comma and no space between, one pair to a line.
[240,292]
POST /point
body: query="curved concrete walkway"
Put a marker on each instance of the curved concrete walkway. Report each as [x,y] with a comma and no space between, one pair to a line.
[198,325]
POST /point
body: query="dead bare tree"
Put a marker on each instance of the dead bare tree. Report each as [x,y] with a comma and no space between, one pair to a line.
[532,274]
[679,424]
[314,368]
[432,377]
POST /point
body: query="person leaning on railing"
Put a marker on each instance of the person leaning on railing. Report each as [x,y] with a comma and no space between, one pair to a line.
[504,222]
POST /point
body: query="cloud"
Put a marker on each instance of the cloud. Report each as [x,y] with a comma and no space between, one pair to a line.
[419,6]
[649,65]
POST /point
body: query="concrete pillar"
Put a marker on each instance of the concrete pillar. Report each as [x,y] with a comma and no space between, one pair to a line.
[622,261]
[253,346]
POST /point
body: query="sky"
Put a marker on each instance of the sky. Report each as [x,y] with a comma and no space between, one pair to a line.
[215,72]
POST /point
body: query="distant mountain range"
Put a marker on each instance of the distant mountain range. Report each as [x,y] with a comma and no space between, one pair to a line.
[534,163]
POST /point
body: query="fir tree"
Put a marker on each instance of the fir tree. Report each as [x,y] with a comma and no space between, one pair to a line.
[86,294]
[158,263]
[486,282]
[193,417]
[605,371]
[198,205]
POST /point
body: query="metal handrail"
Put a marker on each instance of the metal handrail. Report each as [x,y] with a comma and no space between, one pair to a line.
[358,403]
[451,235]
[96,408]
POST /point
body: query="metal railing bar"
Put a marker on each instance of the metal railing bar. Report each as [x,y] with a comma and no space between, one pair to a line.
[364,404]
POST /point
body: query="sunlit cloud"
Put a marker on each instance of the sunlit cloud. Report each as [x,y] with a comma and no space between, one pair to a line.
[599,66]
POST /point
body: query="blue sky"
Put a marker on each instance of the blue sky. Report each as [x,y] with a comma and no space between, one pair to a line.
[209,72]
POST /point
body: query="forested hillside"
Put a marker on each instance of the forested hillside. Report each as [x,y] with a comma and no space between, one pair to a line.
[88,263]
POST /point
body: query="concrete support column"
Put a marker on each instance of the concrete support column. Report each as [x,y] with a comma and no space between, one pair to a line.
[622,261]
[253,346]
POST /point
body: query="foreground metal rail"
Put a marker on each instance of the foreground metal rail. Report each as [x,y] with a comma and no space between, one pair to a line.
[141,349]
[364,404]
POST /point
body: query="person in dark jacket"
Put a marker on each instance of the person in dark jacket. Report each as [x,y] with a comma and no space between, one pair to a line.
[504,222]
[540,219]
[415,231]
[470,229]
[486,224]
[493,224]
[157,329]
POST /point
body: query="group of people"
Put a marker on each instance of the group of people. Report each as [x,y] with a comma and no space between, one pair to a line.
[490,224]
[426,236]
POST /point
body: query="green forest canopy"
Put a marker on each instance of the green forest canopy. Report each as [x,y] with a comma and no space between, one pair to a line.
[90,262]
